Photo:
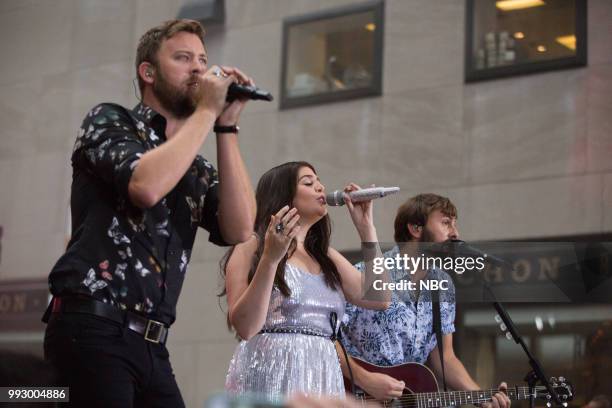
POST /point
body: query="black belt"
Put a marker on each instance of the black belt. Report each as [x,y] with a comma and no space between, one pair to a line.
[152,330]
[333,320]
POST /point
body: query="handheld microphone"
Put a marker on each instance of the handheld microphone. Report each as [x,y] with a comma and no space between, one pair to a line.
[336,198]
[236,91]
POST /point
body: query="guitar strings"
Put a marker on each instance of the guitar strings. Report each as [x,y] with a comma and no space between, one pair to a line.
[422,397]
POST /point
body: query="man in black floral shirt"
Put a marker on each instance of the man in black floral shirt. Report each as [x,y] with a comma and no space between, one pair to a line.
[139,192]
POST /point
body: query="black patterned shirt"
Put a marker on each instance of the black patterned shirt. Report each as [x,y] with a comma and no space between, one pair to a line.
[120,254]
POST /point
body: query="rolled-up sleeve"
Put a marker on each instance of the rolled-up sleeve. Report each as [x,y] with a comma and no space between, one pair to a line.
[109,146]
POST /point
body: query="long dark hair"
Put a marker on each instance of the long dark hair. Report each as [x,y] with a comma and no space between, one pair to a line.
[276,189]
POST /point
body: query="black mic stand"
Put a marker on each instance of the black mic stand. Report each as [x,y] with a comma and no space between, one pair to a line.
[537,373]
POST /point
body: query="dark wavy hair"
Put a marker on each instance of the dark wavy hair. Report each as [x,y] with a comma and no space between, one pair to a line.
[276,189]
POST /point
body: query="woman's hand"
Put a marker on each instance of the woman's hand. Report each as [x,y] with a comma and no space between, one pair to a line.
[361,214]
[282,229]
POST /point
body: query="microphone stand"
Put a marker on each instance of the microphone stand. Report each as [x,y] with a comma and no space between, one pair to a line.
[537,373]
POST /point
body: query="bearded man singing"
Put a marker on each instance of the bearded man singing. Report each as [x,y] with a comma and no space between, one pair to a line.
[139,193]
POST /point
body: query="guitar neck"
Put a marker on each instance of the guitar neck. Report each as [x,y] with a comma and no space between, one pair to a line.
[442,399]
[421,389]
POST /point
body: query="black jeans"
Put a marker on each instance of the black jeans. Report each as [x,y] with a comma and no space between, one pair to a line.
[107,365]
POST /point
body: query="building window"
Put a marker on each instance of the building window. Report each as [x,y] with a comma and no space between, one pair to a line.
[332,55]
[513,37]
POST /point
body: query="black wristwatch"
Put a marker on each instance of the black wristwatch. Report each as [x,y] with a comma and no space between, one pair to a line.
[226,129]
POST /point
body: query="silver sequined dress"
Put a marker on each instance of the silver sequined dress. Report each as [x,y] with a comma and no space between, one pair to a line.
[274,365]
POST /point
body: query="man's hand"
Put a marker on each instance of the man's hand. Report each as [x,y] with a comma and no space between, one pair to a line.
[500,399]
[383,387]
[213,89]
[231,111]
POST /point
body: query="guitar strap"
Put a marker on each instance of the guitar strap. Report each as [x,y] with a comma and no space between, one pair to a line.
[336,337]
[437,324]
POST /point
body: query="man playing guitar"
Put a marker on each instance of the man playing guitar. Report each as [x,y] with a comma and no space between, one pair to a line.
[404,333]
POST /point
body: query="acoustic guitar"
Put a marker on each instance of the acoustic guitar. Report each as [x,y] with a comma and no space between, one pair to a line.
[422,388]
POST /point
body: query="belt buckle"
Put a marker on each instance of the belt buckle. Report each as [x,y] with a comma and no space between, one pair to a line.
[154,331]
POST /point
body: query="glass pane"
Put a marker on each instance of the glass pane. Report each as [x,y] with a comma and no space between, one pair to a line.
[330,55]
[515,32]
[558,350]
[572,341]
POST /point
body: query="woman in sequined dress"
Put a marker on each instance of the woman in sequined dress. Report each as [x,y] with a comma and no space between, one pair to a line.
[285,283]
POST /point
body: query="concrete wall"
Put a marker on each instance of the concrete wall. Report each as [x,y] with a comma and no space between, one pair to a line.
[521,157]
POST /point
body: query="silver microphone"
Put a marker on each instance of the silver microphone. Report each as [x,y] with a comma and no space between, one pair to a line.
[336,198]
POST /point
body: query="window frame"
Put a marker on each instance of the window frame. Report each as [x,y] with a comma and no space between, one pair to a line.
[375,88]
[579,60]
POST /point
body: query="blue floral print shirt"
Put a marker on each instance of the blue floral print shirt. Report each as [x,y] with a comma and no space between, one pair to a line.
[120,254]
[404,332]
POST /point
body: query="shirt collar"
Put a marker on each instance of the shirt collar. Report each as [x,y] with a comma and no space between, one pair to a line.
[399,274]
[145,112]
[151,117]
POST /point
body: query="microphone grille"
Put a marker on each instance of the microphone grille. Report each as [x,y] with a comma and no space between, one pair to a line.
[334,198]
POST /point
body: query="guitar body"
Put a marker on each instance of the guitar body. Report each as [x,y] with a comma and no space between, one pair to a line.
[422,388]
[417,377]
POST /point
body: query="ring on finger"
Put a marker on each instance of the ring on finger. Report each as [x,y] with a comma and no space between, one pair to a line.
[217,72]
[279,228]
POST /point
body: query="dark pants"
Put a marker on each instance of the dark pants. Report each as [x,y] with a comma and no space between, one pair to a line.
[107,365]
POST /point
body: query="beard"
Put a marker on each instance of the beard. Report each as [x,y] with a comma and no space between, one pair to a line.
[427,236]
[426,243]
[178,101]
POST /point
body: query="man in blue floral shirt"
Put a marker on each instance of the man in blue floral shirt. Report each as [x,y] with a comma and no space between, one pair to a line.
[404,332]
[140,191]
